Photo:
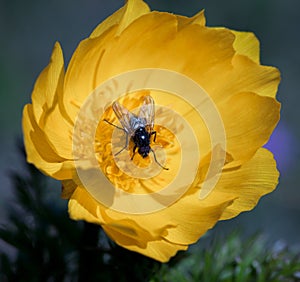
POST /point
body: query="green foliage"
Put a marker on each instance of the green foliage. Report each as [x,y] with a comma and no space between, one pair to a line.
[45,245]
[38,232]
[232,259]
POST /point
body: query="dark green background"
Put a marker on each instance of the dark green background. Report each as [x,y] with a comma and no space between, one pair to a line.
[29,29]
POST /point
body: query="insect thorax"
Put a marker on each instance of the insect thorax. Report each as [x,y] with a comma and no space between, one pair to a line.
[136,122]
[141,137]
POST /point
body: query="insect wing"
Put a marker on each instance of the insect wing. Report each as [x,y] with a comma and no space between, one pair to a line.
[124,116]
[147,112]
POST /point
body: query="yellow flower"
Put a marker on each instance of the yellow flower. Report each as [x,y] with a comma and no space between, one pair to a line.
[210,140]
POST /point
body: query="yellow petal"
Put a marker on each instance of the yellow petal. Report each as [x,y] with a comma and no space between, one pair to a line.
[247,44]
[151,41]
[112,20]
[164,46]
[58,132]
[238,190]
[184,227]
[249,120]
[139,232]
[249,183]
[193,217]
[160,249]
[82,206]
[198,19]
[82,72]
[47,84]
[38,150]
[244,75]
[251,77]
[123,17]
[78,212]
[134,10]
[127,232]
[68,188]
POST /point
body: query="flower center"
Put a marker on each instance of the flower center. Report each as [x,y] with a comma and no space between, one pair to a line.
[133,162]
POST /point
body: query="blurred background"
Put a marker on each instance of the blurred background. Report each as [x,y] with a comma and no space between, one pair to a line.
[29,29]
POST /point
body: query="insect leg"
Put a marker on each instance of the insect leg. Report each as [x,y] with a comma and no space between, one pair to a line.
[115,125]
[153,133]
[134,148]
[157,160]
[126,144]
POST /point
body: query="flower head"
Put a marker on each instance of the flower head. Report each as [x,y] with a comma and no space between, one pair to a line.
[215,108]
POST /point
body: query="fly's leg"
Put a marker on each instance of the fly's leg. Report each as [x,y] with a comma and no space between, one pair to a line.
[115,125]
[157,160]
[153,133]
[133,151]
[126,144]
[154,139]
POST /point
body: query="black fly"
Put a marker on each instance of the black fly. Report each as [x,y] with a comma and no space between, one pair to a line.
[138,127]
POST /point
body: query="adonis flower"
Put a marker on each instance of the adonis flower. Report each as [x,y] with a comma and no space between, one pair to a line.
[215,108]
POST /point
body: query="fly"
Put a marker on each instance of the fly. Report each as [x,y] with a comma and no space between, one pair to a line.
[138,128]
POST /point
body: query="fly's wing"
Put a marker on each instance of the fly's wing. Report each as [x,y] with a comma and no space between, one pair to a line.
[124,116]
[147,112]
